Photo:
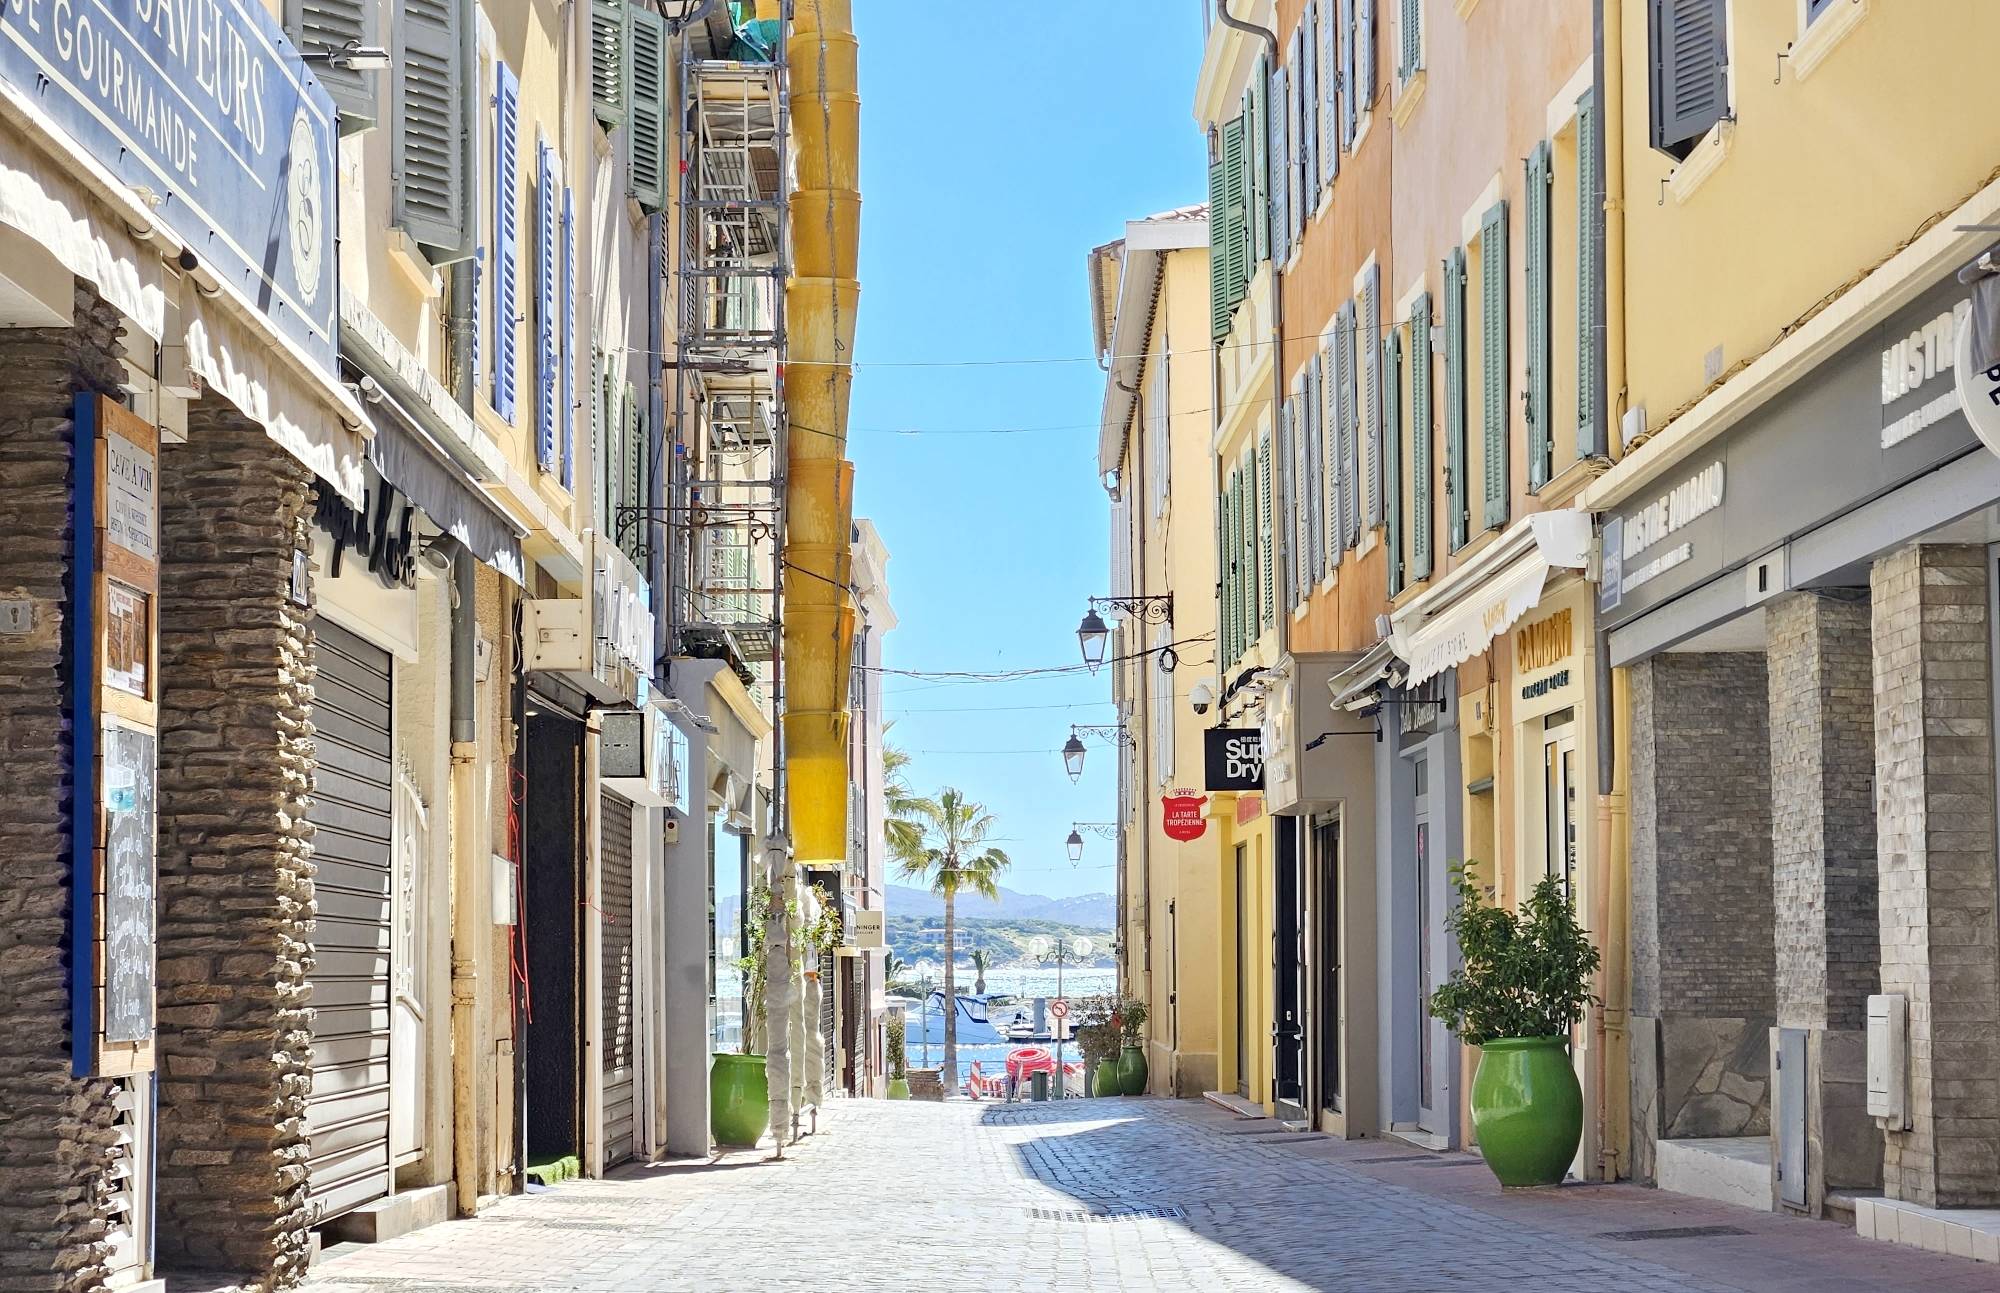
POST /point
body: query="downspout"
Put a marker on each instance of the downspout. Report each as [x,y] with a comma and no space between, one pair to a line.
[468,929]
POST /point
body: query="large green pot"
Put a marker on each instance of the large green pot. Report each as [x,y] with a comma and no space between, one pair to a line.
[1527,1109]
[899,1088]
[1106,1079]
[1132,1071]
[739,1105]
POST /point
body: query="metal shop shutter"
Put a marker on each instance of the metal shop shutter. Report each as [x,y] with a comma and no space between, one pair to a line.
[347,1112]
[615,898]
[828,988]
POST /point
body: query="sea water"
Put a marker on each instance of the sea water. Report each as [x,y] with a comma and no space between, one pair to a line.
[1024,984]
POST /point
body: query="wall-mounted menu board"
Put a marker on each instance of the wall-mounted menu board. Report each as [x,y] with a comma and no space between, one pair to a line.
[114,722]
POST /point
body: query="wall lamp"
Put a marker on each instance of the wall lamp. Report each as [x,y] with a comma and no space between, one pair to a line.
[1093,632]
[1073,750]
[351,57]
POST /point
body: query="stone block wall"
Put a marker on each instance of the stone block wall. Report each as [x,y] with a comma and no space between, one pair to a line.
[235,886]
[1935,839]
[56,1130]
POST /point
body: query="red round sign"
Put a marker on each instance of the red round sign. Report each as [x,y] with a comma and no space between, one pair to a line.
[1181,815]
[1059,1008]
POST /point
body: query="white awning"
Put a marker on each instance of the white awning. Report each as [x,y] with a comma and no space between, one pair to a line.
[1459,616]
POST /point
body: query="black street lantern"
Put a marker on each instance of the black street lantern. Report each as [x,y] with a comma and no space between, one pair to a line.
[1075,843]
[1072,753]
[1092,634]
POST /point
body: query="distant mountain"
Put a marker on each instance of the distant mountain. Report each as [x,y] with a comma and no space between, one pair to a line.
[1084,911]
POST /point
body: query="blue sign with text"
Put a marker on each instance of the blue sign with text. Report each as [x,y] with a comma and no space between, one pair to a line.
[205,107]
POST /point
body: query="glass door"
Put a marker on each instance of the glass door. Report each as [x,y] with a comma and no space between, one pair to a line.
[1288,1024]
[1243,1031]
[1559,798]
[1326,851]
[1428,913]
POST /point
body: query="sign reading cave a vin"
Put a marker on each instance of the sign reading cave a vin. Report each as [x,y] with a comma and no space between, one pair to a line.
[1233,758]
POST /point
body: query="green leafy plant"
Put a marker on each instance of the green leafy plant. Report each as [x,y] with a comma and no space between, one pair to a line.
[762,908]
[979,964]
[1096,1036]
[1524,973]
[894,1043]
[1131,1019]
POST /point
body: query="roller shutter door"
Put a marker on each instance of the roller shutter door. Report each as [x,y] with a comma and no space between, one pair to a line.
[615,886]
[347,1112]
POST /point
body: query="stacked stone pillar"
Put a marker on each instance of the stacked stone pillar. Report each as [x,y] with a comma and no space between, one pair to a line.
[1701,900]
[1823,871]
[235,884]
[57,1130]
[1934,804]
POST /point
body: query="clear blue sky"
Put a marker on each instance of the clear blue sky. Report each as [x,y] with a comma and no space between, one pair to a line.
[1000,143]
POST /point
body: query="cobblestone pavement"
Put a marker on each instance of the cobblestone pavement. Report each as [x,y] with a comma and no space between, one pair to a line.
[1113,1194]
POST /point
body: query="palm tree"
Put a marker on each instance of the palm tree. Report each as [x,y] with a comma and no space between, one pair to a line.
[904,828]
[949,854]
[979,970]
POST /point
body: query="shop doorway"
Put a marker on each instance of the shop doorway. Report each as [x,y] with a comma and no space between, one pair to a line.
[1243,1032]
[1326,958]
[1432,893]
[1288,1027]
[1559,798]
[552,1086]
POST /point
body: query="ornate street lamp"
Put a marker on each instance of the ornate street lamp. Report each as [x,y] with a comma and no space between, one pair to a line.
[1072,750]
[1073,756]
[1092,633]
[1075,843]
[1102,830]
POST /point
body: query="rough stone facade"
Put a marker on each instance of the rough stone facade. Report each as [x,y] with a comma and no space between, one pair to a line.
[1702,977]
[1934,814]
[57,1129]
[235,885]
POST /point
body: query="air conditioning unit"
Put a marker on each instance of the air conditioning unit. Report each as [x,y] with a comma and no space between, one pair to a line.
[642,756]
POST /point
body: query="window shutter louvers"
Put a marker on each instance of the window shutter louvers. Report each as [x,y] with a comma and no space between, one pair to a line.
[1267,533]
[1690,70]
[609,39]
[506,236]
[646,106]
[1218,244]
[1285,524]
[1364,56]
[1591,436]
[1257,127]
[1302,199]
[1281,170]
[546,359]
[320,26]
[478,315]
[1391,367]
[1327,111]
[1493,362]
[1537,271]
[1456,506]
[1350,98]
[631,482]
[1253,576]
[600,495]
[431,174]
[566,408]
[1326,408]
[1350,433]
[1413,39]
[1314,73]
[1236,196]
[1368,340]
[1422,521]
[1305,400]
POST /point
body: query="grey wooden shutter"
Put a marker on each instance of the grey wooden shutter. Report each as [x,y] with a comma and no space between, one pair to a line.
[609,40]
[1690,72]
[1281,170]
[1536,273]
[1252,578]
[1327,111]
[1327,409]
[1350,98]
[431,174]
[1267,534]
[1257,128]
[1391,368]
[1590,413]
[1350,430]
[1422,521]
[1313,71]
[1364,53]
[1457,509]
[506,236]
[1493,360]
[320,26]
[1314,501]
[1286,525]
[1292,441]
[646,108]
[1302,202]
[547,383]
[566,406]
[1368,341]
[601,518]
[1413,39]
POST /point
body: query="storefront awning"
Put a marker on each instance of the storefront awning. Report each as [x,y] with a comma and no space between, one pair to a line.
[1476,603]
[1359,686]
[415,464]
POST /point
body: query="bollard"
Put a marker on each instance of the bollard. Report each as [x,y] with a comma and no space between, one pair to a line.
[1039,1086]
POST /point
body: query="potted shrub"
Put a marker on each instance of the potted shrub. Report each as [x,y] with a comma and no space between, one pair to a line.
[1131,1022]
[739,1104]
[1523,985]
[1099,1041]
[899,1075]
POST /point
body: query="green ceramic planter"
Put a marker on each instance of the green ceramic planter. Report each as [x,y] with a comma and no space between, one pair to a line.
[899,1088]
[739,1105]
[1527,1109]
[1132,1071]
[1105,1079]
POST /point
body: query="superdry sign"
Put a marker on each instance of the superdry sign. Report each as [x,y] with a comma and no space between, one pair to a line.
[1181,817]
[1233,758]
[203,109]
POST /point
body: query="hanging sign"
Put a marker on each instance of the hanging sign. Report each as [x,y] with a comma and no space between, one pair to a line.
[1978,387]
[865,928]
[1233,758]
[1181,815]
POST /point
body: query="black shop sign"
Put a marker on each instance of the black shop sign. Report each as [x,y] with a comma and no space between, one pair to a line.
[1233,758]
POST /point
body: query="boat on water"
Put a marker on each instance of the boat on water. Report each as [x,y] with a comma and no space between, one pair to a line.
[1014,1022]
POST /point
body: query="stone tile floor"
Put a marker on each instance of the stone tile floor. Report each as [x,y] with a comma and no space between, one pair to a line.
[1112,1194]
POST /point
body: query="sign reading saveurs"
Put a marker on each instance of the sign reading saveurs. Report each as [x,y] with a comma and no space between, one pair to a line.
[206,107]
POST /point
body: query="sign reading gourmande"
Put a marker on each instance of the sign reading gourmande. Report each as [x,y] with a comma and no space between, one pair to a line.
[204,109]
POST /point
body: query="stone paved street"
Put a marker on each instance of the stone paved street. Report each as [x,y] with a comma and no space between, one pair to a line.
[1111,1194]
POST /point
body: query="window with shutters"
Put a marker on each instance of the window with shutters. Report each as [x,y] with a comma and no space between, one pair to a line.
[1457,508]
[1220,306]
[1257,162]
[1364,57]
[1225,572]
[1249,561]
[319,27]
[1350,96]
[1496,413]
[1230,217]
[1591,418]
[1305,413]
[1410,38]
[1332,477]
[646,108]
[1311,73]
[1689,81]
[1368,352]
[566,405]
[1267,537]
[1289,476]
[547,283]
[1423,522]
[432,170]
[1278,152]
[1391,370]
[1537,404]
[1300,140]
[1326,105]
[610,34]
[635,473]
[506,237]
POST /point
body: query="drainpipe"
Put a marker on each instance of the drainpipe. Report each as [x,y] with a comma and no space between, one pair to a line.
[469,928]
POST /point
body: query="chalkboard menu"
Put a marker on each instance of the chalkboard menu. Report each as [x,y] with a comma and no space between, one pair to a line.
[128,764]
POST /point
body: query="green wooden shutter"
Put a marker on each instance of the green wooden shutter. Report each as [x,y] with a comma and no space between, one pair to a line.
[1391,370]
[1221,577]
[1537,275]
[1413,38]
[1457,511]
[646,104]
[432,172]
[1228,571]
[1237,196]
[1267,546]
[1253,582]
[1590,412]
[1218,245]
[1422,521]
[1493,362]
[609,39]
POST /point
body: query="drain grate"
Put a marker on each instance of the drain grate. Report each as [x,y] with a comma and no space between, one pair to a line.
[1423,1160]
[1109,1214]
[1672,1232]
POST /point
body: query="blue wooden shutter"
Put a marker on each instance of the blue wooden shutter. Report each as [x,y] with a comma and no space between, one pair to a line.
[646,108]
[1591,434]
[1690,71]
[567,405]
[1391,369]
[506,236]
[1312,501]
[1457,508]
[1302,193]
[478,315]
[1369,347]
[1285,521]
[433,179]
[1493,360]
[1326,113]
[1423,522]
[1327,409]
[1350,434]
[547,381]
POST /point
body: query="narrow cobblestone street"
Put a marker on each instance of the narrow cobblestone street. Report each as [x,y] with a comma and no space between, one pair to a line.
[1102,1195]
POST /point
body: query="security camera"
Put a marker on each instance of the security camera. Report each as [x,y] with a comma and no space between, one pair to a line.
[1201,696]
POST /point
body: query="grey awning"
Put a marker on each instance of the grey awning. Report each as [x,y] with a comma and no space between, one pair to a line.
[414,463]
